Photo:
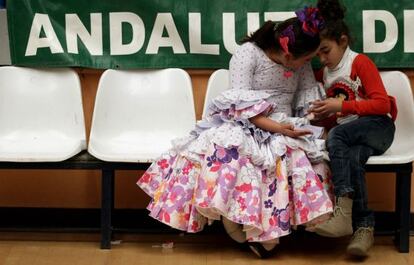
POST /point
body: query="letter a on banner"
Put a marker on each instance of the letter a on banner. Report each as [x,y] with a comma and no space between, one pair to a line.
[42,21]
[165,20]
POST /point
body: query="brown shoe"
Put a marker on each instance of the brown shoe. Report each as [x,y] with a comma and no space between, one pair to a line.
[361,242]
[340,224]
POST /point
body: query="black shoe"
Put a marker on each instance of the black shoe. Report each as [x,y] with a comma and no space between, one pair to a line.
[259,250]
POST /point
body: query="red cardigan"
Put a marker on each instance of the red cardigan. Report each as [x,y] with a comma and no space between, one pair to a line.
[374,98]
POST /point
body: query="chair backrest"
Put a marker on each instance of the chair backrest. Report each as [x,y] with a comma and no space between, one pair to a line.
[398,85]
[138,102]
[41,100]
[217,83]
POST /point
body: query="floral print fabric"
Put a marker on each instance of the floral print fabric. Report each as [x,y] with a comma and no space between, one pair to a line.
[229,167]
[185,194]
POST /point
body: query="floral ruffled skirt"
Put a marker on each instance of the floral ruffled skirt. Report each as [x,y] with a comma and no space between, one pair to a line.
[186,194]
[222,171]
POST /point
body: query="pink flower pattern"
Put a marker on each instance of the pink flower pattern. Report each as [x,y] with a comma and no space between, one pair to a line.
[257,200]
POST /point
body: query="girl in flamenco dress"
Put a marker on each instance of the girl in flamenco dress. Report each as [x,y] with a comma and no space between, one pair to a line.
[253,162]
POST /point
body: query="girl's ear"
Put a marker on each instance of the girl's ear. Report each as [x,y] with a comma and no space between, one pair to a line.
[344,41]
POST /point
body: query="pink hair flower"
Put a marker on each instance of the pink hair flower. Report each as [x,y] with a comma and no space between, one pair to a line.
[284,41]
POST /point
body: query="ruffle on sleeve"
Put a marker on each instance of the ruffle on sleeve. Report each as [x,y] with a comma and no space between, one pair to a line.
[240,103]
[238,106]
[305,97]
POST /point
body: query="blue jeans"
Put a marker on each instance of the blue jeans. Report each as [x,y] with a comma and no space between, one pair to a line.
[349,146]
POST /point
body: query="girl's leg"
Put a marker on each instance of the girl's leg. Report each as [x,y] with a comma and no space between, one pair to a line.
[375,135]
[340,161]
[362,216]
[376,132]
[234,230]
[378,139]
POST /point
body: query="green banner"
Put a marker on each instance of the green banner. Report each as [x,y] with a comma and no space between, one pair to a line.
[183,33]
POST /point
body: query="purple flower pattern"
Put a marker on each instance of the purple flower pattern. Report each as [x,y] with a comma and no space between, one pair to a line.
[175,200]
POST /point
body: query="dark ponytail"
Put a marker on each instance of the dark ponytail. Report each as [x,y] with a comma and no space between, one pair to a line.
[264,37]
[333,13]
[267,37]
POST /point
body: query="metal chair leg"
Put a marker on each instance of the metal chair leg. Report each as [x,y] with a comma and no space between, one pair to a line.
[107,205]
[404,199]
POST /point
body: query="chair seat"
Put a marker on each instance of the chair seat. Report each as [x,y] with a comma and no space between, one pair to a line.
[131,148]
[29,146]
[392,157]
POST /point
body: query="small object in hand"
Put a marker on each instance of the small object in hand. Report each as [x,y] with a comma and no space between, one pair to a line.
[310,116]
[316,131]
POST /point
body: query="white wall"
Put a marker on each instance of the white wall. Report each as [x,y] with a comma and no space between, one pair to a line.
[4,39]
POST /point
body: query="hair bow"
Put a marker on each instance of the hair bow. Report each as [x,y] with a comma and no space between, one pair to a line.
[312,21]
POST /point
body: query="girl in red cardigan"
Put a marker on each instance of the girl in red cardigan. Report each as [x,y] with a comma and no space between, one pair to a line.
[361,116]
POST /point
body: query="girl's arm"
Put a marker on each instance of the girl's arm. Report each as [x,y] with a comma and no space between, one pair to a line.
[376,101]
[242,67]
[267,124]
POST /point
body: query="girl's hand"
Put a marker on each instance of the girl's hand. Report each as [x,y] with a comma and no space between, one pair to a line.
[289,130]
[323,109]
[267,124]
